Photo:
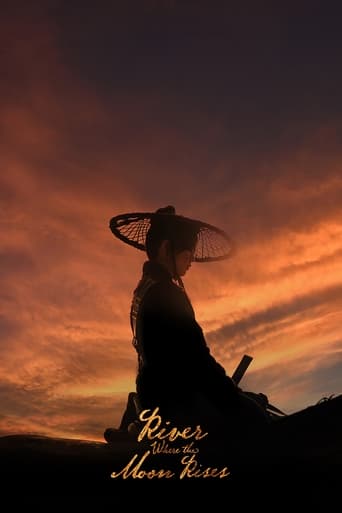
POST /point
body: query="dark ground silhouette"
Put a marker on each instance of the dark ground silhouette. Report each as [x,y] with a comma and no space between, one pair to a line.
[301,457]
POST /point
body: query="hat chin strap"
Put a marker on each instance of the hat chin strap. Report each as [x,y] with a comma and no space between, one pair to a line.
[180,282]
[175,273]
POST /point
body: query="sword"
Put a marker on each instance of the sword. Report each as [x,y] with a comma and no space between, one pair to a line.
[241,368]
[240,372]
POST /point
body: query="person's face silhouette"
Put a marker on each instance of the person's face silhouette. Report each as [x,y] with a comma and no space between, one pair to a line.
[182,258]
[183,261]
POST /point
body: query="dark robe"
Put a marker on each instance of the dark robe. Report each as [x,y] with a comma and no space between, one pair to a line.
[176,369]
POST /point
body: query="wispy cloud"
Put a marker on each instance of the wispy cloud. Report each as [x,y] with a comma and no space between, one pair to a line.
[73,156]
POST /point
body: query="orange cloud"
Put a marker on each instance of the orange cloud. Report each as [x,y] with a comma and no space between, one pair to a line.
[72,159]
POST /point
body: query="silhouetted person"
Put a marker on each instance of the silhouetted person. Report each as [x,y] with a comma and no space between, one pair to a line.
[176,371]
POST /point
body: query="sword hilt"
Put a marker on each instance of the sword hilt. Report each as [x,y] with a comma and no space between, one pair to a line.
[241,368]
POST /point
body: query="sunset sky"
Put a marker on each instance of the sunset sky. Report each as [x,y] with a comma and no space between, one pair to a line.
[232,115]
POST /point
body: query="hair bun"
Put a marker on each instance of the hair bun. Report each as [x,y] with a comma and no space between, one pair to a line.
[166,210]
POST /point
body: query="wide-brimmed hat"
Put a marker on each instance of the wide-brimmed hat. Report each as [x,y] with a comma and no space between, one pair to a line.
[212,243]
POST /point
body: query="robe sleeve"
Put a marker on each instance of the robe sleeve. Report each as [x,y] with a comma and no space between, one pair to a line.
[175,346]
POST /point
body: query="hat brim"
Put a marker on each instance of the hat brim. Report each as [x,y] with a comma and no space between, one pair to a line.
[213,244]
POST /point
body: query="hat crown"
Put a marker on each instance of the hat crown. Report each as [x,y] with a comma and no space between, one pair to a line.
[166,210]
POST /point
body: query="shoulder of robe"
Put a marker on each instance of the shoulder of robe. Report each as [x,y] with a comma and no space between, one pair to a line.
[165,296]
